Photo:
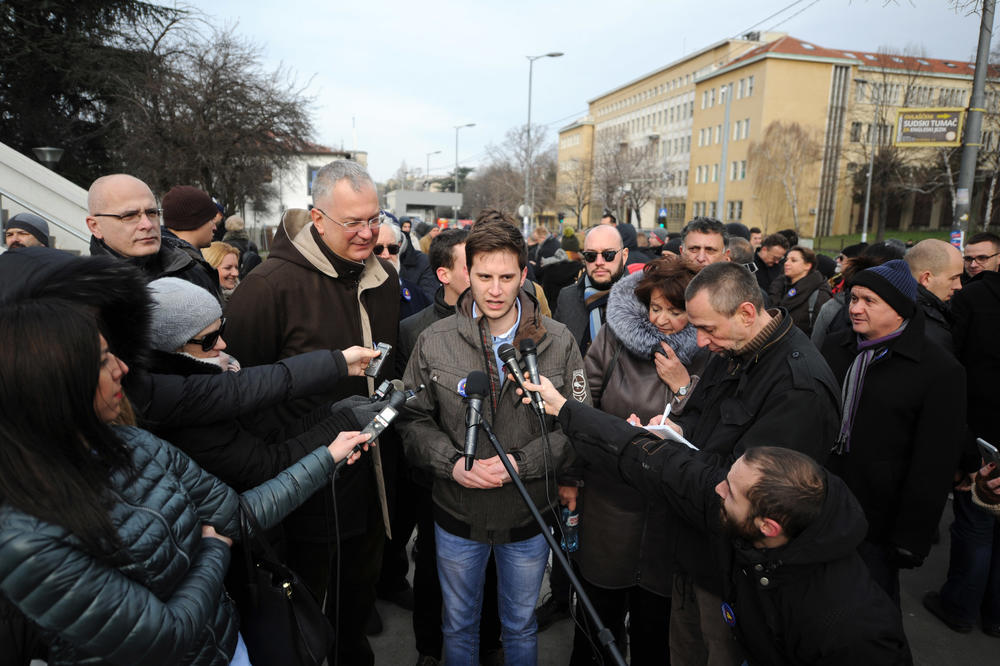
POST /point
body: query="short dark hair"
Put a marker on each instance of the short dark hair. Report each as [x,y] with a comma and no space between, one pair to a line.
[774,240]
[495,231]
[884,251]
[808,256]
[791,235]
[983,237]
[440,252]
[670,275]
[729,285]
[706,225]
[608,213]
[791,489]
[740,250]
[755,230]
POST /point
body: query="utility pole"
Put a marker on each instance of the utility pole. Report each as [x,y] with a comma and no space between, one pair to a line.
[973,130]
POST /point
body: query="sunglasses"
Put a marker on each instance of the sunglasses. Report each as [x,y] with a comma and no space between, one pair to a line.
[590,256]
[208,341]
[392,247]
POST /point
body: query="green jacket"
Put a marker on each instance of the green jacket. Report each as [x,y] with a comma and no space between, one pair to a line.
[433,424]
[159,599]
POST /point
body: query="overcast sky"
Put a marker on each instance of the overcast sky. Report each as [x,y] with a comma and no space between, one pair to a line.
[408,72]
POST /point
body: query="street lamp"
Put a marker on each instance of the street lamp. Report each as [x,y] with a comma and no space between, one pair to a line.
[427,173]
[528,194]
[458,127]
[48,156]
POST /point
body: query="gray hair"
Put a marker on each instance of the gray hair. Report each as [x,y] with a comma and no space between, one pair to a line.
[397,233]
[706,225]
[740,250]
[729,286]
[336,171]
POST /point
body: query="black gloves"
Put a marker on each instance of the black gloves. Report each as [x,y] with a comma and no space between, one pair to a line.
[904,559]
[357,409]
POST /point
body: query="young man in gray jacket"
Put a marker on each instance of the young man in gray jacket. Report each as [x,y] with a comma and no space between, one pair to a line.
[479,510]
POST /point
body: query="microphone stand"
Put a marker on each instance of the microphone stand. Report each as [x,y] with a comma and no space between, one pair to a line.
[604,635]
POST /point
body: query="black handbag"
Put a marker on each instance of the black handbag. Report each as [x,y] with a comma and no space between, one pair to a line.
[280,621]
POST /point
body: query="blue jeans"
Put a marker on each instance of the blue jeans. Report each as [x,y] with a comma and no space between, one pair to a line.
[973,586]
[462,569]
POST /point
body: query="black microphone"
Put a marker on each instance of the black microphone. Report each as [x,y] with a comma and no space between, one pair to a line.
[476,388]
[509,357]
[530,356]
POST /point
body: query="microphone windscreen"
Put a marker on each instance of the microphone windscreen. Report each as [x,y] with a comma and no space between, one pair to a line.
[527,346]
[477,384]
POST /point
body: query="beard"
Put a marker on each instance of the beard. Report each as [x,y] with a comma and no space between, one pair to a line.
[745,530]
[14,244]
[610,281]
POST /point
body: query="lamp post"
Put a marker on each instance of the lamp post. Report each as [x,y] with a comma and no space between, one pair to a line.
[427,173]
[528,194]
[458,127]
[48,156]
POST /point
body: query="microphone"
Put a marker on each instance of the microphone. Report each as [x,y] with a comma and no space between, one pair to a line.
[476,388]
[530,356]
[387,387]
[509,357]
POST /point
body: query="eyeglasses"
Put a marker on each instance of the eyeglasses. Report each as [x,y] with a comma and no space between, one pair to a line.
[392,247]
[135,216]
[354,226]
[979,258]
[590,256]
[208,341]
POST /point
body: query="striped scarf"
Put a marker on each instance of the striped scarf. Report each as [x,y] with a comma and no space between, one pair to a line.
[595,301]
[869,351]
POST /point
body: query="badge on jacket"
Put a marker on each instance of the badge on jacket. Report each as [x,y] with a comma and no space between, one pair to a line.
[792,292]
[728,616]
[579,385]
[406,294]
[461,388]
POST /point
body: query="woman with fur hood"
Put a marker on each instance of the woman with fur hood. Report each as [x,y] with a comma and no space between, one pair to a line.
[645,356]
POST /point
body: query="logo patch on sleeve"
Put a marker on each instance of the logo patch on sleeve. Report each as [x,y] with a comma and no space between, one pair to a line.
[461,388]
[579,385]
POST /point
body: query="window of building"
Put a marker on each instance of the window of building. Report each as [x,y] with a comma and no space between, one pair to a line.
[711,97]
[713,209]
[687,143]
[722,94]
[749,86]
[741,89]
[715,172]
[718,133]
[746,128]
[855,132]
[734,170]
[743,169]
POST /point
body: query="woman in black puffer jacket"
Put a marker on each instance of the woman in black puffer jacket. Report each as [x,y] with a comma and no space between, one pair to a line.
[113,542]
[802,290]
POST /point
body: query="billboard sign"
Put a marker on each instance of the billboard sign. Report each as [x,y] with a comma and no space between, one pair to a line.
[922,128]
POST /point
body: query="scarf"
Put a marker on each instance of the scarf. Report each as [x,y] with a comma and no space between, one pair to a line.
[869,351]
[595,301]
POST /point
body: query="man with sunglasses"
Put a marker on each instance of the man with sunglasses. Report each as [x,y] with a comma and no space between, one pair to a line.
[581,305]
[411,264]
[323,287]
[411,298]
[124,221]
[982,253]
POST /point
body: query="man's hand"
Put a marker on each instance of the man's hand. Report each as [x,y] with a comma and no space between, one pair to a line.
[568,496]
[358,359]
[485,474]
[670,370]
[988,489]
[554,400]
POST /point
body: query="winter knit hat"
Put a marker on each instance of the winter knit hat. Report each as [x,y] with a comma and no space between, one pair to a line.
[31,223]
[181,310]
[569,241]
[893,283]
[186,208]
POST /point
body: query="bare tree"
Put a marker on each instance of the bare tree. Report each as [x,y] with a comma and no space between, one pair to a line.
[501,182]
[576,182]
[206,113]
[781,160]
[626,176]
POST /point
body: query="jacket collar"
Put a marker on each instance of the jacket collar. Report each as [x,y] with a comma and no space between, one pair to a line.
[910,343]
[531,325]
[441,307]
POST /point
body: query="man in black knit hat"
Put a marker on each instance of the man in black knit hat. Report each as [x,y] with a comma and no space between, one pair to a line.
[903,417]
[190,217]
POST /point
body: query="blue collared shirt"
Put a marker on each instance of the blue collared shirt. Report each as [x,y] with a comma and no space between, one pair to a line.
[498,340]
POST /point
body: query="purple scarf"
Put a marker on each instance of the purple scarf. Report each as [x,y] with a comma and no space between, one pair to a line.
[869,351]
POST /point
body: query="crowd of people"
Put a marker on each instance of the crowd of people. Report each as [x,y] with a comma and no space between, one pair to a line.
[755,438]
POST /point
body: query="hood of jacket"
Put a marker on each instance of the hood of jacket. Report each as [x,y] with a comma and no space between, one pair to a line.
[934,307]
[628,319]
[168,260]
[834,535]
[114,287]
[294,242]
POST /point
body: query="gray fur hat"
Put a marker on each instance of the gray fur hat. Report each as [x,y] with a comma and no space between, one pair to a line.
[181,310]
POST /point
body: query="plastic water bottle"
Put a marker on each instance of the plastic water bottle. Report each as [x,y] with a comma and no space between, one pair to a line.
[570,530]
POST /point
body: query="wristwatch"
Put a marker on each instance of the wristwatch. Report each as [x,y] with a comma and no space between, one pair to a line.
[683,391]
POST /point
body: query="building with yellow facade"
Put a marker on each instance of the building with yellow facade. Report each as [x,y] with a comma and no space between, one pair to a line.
[774,132]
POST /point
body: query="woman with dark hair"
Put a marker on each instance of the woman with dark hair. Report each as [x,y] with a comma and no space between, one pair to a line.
[802,290]
[113,542]
[645,357]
